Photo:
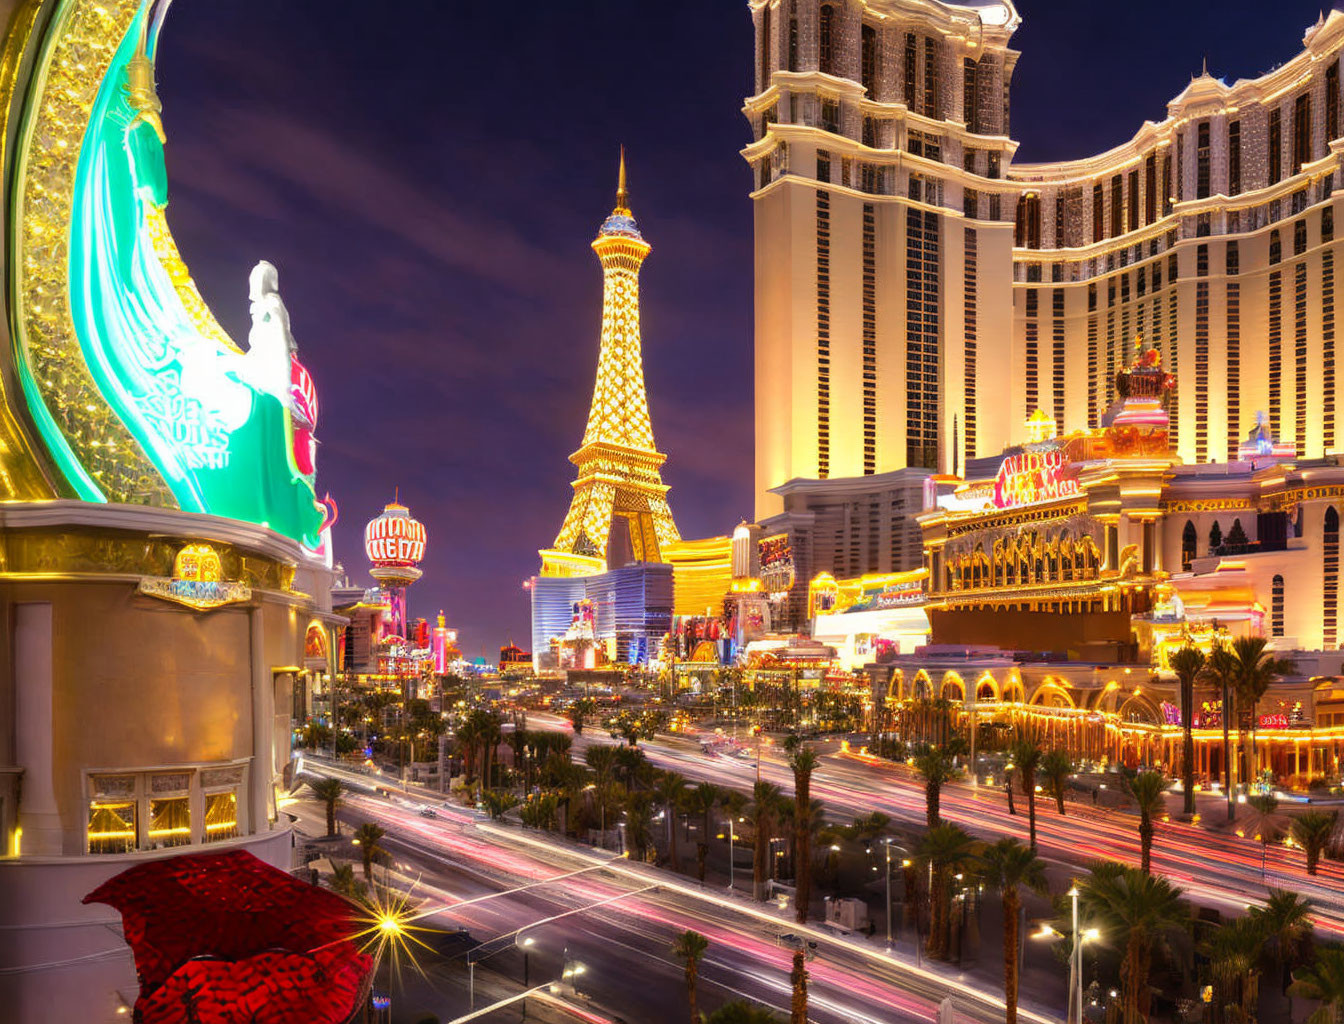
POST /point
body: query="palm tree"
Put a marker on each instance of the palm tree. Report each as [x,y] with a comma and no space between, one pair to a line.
[1188,664]
[1027,757]
[1324,982]
[803,761]
[1221,667]
[1006,867]
[689,947]
[1312,831]
[938,768]
[1257,669]
[602,760]
[1285,927]
[329,792]
[639,823]
[798,979]
[1148,789]
[701,801]
[343,881]
[1055,768]
[1136,911]
[945,850]
[366,837]
[671,788]
[763,812]
[1264,819]
[1234,961]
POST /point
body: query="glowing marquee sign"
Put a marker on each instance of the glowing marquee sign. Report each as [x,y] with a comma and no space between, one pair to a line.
[1033,477]
[197,581]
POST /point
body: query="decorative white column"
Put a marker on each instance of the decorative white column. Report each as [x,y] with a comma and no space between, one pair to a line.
[263,722]
[38,815]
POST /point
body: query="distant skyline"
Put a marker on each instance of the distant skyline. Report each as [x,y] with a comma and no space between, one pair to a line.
[428,185]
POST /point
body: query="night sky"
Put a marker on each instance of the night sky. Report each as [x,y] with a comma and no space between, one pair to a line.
[427,176]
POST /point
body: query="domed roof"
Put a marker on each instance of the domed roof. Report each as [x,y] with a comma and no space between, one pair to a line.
[395,538]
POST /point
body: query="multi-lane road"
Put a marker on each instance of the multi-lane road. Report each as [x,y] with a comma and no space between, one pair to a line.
[619,919]
[1216,869]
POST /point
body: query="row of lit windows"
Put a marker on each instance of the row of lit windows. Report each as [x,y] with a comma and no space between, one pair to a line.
[823,333]
[130,811]
[922,392]
[969,336]
[1058,373]
[869,341]
[1233,367]
[1275,347]
[1300,356]
[1328,347]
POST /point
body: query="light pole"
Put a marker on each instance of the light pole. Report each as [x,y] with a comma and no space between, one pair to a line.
[732,830]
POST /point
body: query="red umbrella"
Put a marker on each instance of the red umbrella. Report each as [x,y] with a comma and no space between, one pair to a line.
[224,938]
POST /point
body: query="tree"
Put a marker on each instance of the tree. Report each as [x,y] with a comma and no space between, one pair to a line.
[701,801]
[1324,982]
[1312,831]
[763,812]
[944,851]
[1188,664]
[1055,769]
[803,761]
[671,789]
[798,979]
[938,769]
[1257,668]
[1285,927]
[1027,757]
[578,711]
[689,947]
[1264,819]
[639,823]
[366,837]
[1234,965]
[498,802]
[1136,912]
[1147,789]
[1221,668]
[1006,867]
[739,1011]
[329,792]
[343,881]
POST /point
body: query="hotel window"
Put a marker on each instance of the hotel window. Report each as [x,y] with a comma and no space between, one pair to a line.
[1300,356]
[765,48]
[169,810]
[1059,230]
[1150,189]
[869,313]
[1031,329]
[1098,213]
[1275,340]
[931,78]
[827,39]
[870,132]
[1331,578]
[1301,131]
[823,165]
[1299,237]
[1117,207]
[1133,200]
[969,333]
[1332,101]
[1275,156]
[993,164]
[1328,224]
[113,814]
[1275,247]
[968,160]
[908,84]
[1166,184]
[823,334]
[1202,161]
[1092,296]
[1057,369]
[1234,158]
[970,203]
[995,207]
[1029,221]
[157,810]
[1233,361]
[1180,167]
[968,106]
[922,331]
[830,115]
[1276,607]
[868,178]
[868,60]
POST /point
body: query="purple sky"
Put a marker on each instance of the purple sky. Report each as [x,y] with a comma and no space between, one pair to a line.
[427,177]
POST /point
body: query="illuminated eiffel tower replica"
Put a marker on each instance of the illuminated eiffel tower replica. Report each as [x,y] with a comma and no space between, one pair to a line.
[619,512]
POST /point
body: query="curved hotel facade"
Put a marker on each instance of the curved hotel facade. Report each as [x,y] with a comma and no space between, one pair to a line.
[919,293]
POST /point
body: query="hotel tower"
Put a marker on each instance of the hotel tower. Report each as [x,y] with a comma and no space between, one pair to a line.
[919,294]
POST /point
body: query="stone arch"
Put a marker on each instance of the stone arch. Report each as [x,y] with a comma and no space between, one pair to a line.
[921,686]
[1012,690]
[1053,691]
[952,678]
[985,687]
[1138,708]
[1189,545]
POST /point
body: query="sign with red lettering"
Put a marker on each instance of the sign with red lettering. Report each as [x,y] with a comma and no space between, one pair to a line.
[1033,477]
[1276,721]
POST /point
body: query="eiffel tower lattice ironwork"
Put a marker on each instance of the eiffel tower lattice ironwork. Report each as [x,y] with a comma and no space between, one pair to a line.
[619,496]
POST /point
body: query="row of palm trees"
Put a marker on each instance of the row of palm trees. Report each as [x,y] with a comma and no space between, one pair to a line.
[366,836]
[1243,671]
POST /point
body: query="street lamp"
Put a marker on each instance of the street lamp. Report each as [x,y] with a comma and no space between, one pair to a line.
[1074,1014]
[525,944]
[732,834]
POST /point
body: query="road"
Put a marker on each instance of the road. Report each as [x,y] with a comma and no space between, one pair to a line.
[1216,869]
[622,930]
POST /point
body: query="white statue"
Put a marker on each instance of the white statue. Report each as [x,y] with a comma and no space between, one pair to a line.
[266,366]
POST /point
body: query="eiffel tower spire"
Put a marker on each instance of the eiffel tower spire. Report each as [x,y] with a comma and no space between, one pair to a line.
[618,490]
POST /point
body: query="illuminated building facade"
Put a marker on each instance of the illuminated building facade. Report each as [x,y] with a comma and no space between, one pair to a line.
[166,562]
[628,612]
[919,293]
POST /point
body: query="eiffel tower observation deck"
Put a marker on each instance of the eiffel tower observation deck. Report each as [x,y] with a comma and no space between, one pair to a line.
[619,512]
